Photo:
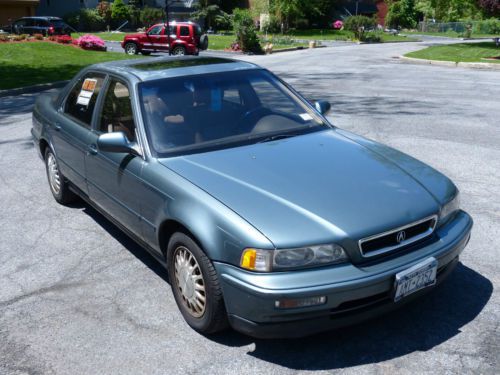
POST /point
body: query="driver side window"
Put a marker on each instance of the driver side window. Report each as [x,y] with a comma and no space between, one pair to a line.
[116,114]
[155,30]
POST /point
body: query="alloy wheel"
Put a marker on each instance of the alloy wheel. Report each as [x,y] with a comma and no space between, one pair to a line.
[54,175]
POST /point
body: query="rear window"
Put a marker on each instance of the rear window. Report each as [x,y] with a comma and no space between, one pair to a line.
[58,23]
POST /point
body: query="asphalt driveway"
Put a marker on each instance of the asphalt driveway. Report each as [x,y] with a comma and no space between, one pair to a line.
[78,297]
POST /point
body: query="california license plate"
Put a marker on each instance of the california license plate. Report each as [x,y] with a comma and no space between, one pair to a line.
[419,276]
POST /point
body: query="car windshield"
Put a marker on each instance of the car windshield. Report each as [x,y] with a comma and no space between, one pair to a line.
[209,111]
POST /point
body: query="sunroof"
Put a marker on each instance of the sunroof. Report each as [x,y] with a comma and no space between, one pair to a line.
[180,63]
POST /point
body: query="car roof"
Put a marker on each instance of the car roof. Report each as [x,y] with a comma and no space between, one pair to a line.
[40,18]
[167,67]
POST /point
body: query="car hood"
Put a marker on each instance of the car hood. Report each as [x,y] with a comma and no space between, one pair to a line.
[310,189]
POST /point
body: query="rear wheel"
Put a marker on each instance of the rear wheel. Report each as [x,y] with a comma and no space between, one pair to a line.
[131,49]
[57,183]
[179,51]
[195,285]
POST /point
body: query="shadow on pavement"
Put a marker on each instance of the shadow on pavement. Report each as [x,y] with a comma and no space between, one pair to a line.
[138,251]
[418,326]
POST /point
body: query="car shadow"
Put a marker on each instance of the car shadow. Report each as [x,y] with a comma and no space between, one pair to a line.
[128,243]
[418,326]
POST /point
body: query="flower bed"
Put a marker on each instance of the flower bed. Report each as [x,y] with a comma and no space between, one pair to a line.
[64,39]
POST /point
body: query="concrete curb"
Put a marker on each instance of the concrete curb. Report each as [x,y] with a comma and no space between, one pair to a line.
[470,65]
[32,89]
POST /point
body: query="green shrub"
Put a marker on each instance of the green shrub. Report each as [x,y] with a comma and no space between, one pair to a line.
[491,26]
[86,20]
[245,31]
[272,25]
[358,25]
[149,16]
[372,37]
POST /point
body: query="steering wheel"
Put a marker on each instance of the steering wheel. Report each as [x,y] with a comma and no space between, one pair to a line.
[248,120]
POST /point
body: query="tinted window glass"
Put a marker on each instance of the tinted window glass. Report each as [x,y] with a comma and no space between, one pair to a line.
[81,100]
[29,22]
[116,115]
[194,113]
[184,31]
[156,30]
[19,23]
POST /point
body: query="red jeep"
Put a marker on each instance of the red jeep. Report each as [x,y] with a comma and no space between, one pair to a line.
[185,37]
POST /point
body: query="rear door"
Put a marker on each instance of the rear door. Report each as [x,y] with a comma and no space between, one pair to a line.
[185,34]
[71,128]
[114,179]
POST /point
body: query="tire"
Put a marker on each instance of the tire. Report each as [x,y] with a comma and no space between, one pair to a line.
[199,297]
[179,51]
[203,42]
[131,49]
[57,182]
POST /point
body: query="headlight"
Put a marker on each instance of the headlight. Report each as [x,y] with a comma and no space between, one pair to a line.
[283,259]
[450,207]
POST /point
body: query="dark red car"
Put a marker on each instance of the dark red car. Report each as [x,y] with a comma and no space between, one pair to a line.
[185,38]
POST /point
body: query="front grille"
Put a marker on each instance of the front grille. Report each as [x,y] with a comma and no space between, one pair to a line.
[397,238]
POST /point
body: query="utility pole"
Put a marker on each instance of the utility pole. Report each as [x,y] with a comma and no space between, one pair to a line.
[167,29]
[357,7]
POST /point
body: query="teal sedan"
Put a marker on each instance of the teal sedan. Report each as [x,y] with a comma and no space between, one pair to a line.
[268,218]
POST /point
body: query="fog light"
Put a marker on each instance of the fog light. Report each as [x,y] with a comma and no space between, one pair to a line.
[300,302]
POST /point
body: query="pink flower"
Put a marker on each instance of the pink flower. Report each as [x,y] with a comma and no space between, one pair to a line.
[338,24]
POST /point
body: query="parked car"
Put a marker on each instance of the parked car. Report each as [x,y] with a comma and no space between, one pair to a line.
[40,25]
[186,38]
[267,217]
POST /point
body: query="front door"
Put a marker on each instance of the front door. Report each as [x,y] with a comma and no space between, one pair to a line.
[71,128]
[114,179]
[156,39]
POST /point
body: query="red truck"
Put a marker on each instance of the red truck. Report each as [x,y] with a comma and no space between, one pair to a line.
[185,38]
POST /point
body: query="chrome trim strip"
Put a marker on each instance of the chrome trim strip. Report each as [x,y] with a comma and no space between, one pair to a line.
[409,241]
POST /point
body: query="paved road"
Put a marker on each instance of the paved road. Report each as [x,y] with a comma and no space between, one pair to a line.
[78,297]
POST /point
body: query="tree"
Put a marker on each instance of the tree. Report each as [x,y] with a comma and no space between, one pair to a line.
[402,14]
[104,10]
[289,12]
[211,14]
[490,7]
[448,10]
[358,25]
[119,12]
[150,15]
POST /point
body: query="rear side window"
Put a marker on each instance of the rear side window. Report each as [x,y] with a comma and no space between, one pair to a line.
[81,100]
[184,31]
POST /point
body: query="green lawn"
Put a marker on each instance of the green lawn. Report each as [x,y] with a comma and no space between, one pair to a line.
[330,34]
[449,34]
[25,64]
[462,52]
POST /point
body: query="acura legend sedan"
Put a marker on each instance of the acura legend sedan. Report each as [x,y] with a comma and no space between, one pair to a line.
[268,218]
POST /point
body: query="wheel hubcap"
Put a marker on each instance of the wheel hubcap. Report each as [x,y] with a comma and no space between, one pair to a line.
[189,281]
[131,50]
[54,176]
[179,52]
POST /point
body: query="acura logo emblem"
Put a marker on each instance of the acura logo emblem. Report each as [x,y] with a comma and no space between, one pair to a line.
[401,236]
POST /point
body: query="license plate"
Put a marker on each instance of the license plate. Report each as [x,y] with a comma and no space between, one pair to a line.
[419,276]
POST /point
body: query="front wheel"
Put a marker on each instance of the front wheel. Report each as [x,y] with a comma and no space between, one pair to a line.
[195,285]
[179,51]
[57,183]
[131,49]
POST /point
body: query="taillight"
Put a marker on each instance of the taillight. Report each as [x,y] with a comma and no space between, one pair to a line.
[51,29]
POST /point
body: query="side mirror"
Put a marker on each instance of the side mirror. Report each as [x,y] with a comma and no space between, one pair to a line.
[117,142]
[322,106]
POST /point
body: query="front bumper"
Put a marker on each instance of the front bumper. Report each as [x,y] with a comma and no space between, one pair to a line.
[354,292]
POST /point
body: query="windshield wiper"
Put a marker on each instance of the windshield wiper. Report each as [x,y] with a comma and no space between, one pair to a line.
[277,137]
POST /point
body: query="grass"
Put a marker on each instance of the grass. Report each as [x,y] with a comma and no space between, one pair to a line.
[30,63]
[450,34]
[341,35]
[462,52]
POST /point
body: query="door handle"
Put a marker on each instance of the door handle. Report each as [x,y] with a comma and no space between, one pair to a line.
[92,149]
[57,127]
